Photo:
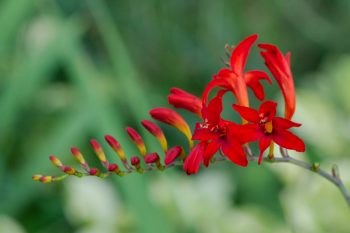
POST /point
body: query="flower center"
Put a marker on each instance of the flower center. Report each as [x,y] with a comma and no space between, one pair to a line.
[268,127]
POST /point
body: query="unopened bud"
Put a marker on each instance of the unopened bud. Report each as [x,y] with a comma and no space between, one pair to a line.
[55,161]
[154,158]
[135,161]
[99,152]
[69,170]
[94,172]
[37,177]
[79,157]
[137,140]
[118,150]
[46,179]
[172,154]
[115,168]
[156,131]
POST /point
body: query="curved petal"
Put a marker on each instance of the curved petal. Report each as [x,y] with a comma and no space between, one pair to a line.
[252,79]
[268,109]
[235,153]
[264,143]
[194,159]
[279,66]
[211,85]
[247,113]
[282,123]
[240,54]
[210,150]
[288,140]
[224,74]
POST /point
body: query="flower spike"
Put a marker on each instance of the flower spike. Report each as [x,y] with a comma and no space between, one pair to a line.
[170,117]
[156,131]
[137,140]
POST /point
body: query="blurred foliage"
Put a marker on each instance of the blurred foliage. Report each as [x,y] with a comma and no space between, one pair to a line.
[72,70]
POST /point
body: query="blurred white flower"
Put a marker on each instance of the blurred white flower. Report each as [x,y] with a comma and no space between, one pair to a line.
[10,225]
[314,205]
[40,32]
[92,202]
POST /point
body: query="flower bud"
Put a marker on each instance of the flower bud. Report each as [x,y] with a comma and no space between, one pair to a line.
[154,158]
[156,131]
[170,117]
[135,161]
[55,161]
[172,154]
[79,157]
[137,140]
[99,152]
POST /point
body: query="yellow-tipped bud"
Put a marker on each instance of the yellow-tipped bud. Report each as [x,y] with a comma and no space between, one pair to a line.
[55,161]
[99,152]
[79,157]
[116,147]
[137,140]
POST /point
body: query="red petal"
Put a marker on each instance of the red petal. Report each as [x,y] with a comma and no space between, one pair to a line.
[225,74]
[244,133]
[279,66]
[240,54]
[210,150]
[211,85]
[282,123]
[235,153]
[211,114]
[273,55]
[264,143]
[288,140]
[203,132]
[182,99]
[252,79]
[268,109]
[247,113]
[195,158]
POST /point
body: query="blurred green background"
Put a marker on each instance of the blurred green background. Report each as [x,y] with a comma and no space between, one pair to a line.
[75,70]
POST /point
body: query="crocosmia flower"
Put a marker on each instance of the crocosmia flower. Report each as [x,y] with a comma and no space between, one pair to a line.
[234,79]
[214,134]
[266,128]
[279,65]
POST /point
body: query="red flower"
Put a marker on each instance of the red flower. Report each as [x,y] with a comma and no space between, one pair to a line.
[182,99]
[214,134]
[235,80]
[279,65]
[267,128]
